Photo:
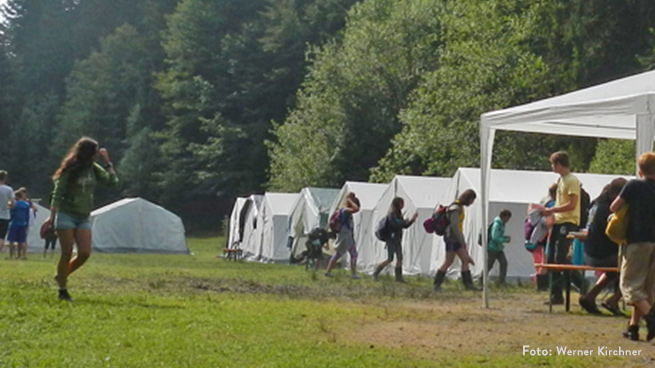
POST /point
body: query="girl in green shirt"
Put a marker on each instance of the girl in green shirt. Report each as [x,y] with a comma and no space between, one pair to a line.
[72,201]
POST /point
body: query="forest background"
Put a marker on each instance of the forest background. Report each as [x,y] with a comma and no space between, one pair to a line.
[200,101]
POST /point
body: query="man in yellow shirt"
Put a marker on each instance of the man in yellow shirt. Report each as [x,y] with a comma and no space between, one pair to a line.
[566,213]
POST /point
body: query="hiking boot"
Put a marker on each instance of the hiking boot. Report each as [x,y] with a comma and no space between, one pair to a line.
[650,324]
[63,295]
[438,280]
[467,280]
[399,275]
[632,332]
[328,274]
[377,271]
[355,277]
[555,300]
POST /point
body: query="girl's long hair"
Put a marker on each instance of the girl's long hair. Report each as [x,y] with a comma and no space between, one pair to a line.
[80,156]
[396,206]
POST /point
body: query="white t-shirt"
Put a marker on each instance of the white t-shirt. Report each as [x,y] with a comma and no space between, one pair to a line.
[6,195]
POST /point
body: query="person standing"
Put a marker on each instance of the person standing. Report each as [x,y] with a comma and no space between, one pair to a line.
[638,256]
[6,201]
[72,200]
[345,241]
[495,245]
[396,224]
[455,242]
[566,214]
[20,218]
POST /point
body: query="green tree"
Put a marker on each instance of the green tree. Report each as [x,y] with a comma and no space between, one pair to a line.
[348,108]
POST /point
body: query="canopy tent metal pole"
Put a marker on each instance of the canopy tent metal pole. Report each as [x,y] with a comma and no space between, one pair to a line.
[486,149]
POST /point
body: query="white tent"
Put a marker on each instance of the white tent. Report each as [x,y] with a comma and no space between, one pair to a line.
[249,240]
[620,109]
[235,228]
[421,194]
[368,194]
[271,235]
[311,209]
[34,242]
[513,190]
[134,225]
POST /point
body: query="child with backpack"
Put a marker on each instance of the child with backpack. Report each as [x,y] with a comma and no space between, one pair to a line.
[495,245]
[393,236]
[455,242]
[341,223]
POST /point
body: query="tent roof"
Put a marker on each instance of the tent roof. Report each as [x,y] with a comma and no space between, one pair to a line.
[368,193]
[607,110]
[322,197]
[114,205]
[519,186]
[280,203]
[423,191]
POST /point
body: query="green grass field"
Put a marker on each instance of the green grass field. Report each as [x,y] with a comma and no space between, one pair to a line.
[199,311]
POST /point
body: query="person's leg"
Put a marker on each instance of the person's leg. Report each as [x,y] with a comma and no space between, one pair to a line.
[83,241]
[67,241]
[353,261]
[503,267]
[332,262]
[491,259]
[385,263]
[464,258]
[399,264]
[440,276]
[22,250]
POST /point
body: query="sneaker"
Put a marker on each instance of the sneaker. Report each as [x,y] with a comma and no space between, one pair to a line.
[63,295]
[632,332]
[355,277]
[555,301]
[436,288]
[327,274]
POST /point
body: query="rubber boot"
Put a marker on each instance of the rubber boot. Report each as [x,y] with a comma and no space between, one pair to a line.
[378,269]
[467,280]
[438,280]
[399,275]
[542,282]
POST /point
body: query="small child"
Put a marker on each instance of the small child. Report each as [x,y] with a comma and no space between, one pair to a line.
[20,217]
[496,247]
[50,236]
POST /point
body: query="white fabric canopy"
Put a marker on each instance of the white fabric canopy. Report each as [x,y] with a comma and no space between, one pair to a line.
[249,242]
[134,225]
[620,109]
[311,210]
[34,242]
[368,195]
[234,225]
[271,233]
[421,194]
[513,190]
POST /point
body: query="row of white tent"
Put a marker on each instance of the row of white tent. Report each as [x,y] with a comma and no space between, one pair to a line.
[271,227]
[130,225]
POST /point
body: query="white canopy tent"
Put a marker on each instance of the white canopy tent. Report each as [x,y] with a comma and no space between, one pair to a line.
[34,242]
[134,225]
[249,240]
[311,210]
[235,228]
[621,109]
[513,190]
[271,233]
[368,195]
[421,194]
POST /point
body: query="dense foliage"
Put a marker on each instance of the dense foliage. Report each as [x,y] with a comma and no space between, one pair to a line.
[200,101]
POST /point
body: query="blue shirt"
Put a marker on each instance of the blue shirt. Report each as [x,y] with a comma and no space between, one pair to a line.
[20,214]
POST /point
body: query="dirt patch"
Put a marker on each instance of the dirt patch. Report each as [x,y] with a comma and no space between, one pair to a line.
[465,328]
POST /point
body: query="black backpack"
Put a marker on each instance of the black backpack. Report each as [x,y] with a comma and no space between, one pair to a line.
[383,230]
[488,234]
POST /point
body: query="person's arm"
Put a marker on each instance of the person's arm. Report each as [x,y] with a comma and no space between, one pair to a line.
[106,175]
[411,221]
[396,222]
[565,207]
[351,206]
[617,204]
[58,193]
[497,235]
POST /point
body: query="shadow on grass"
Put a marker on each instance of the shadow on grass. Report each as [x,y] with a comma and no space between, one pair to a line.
[124,304]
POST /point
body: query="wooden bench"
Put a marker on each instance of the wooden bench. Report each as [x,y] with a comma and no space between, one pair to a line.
[233,254]
[566,269]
